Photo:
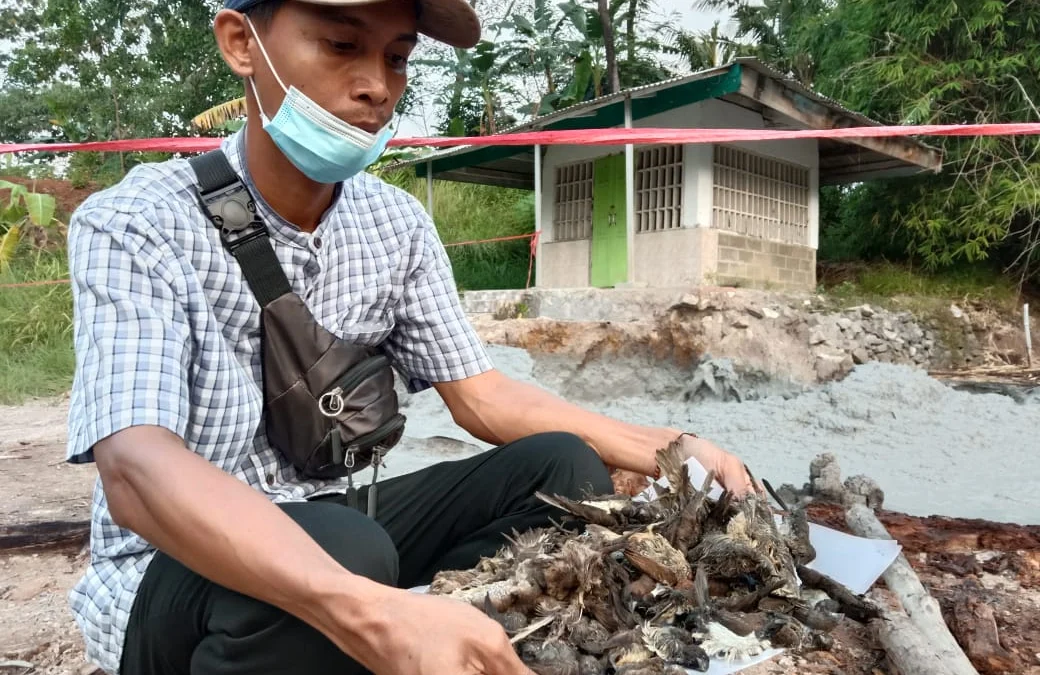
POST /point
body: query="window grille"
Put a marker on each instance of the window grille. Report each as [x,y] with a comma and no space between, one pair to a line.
[760,196]
[572,213]
[659,186]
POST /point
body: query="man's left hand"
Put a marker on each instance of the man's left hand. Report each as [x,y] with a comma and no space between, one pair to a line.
[728,469]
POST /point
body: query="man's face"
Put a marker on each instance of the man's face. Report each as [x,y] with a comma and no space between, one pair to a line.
[350,60]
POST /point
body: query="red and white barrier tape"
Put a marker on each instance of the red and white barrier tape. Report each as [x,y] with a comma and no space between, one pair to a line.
[573,137]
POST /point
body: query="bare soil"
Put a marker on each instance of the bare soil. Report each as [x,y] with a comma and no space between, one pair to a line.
[67,195]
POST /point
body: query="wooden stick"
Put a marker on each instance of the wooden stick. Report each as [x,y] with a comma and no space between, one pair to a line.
[851,606]
[907,649]
[1029,337]
[921,608]
[48,535]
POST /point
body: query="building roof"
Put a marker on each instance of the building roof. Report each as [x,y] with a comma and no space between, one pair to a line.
[747,82]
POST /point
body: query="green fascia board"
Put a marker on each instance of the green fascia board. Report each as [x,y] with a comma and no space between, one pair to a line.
[612,115]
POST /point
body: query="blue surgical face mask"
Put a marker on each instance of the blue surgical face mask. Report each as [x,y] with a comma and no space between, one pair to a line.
[324,147]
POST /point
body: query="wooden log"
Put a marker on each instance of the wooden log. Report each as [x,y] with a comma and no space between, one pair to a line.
[44,536]
[907,649]
[921,608]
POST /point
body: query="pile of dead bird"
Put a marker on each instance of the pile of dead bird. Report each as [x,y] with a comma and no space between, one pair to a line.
[645,587]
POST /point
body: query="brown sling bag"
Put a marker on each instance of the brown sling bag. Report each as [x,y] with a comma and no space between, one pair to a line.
[329,405]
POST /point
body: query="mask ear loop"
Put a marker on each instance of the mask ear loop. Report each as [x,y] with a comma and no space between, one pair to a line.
[263,51]
[252,83]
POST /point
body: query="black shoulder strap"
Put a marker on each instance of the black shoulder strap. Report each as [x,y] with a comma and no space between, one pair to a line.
[227,203]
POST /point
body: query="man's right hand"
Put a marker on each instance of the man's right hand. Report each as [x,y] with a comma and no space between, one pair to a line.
[418,634]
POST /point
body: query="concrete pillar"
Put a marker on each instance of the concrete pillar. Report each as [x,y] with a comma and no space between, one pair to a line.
[630,195]
[538,213]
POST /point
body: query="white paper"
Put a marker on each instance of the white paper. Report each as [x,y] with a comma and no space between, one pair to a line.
[853,561]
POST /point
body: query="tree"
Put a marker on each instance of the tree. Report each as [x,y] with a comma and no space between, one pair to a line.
[701,51]
[608,41]
[970,61]
[776,28]
[90,70]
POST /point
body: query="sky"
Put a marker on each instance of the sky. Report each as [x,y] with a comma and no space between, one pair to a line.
[694,19]
[688,15]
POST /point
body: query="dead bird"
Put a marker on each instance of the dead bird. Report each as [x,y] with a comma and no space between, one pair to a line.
[589,636]
[795,529]
[675,645]
[677,493]
[721,643]
[590,665]
[855,607]
[653,666]
[822,617]
[611,511]
[688,525]
[550,657]
[619,596]
[512,621]
[652,554]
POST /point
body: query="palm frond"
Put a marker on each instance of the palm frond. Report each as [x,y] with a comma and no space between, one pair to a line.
[220,114]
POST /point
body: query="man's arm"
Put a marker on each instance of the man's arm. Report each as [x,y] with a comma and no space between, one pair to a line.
[498,409]
[230,534]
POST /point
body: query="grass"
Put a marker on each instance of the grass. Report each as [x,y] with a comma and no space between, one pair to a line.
[894,284]
[464,212]
[36,357]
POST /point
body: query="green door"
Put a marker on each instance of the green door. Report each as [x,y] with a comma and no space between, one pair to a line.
[609,233]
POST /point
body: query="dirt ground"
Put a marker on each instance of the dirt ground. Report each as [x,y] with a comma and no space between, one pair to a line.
[67,196]
[999,565]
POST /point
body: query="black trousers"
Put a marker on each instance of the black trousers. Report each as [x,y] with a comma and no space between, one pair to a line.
[444,517]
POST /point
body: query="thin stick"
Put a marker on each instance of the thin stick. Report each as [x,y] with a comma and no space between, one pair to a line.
[1029,338]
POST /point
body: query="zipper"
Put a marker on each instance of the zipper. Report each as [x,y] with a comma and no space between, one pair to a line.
[331,402]
[379,433]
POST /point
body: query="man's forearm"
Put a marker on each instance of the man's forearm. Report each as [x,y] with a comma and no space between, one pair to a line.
[227,532]
[510,410]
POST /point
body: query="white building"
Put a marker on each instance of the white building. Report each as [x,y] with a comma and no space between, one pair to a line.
[683,215]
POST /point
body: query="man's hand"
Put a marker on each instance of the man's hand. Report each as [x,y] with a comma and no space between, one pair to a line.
[729,470]
[418,634]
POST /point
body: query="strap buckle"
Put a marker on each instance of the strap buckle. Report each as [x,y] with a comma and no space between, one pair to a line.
[233,211]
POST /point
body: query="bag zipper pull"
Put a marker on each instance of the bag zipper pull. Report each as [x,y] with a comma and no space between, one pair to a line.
[337,447]
[373,488]
[352,496]
[331,402]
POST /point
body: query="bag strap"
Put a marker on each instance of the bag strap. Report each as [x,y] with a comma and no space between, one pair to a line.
[228,204]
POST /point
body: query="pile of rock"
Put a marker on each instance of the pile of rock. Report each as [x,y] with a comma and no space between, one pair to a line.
[865,333]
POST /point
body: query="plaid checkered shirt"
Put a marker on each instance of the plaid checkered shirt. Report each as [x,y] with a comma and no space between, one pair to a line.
[166,333]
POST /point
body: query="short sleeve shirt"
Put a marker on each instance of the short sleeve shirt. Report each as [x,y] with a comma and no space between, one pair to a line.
[167,333]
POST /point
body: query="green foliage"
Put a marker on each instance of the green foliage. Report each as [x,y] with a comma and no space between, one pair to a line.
[464,212]
[36,355]
[24,209]
[702,51]
[972,61]
[961,283]
[778,30]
